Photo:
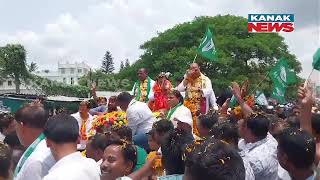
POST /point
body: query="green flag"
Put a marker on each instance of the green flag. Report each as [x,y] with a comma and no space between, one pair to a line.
[207,48]
[278,93]
[282,75]
[261,99]
[233,102]
[316,60]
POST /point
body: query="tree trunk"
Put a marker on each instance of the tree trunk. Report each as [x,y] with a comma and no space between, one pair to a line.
[17,84]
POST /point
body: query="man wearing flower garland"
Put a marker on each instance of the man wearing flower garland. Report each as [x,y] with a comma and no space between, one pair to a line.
[198,90]
[142,89]
[85,123]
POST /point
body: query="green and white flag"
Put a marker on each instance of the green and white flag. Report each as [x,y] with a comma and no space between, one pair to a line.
[282,75]
[261,99]
[207,48]
[316,60]
[278,93]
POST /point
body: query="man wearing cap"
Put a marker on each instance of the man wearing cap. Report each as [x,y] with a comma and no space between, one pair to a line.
[177,109]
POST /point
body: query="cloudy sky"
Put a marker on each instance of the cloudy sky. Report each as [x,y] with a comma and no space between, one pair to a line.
[82,30]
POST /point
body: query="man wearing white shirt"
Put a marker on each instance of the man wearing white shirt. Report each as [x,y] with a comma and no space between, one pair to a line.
[37,159]
[84,120]
[62,134]
[198,87]
[140,118]
[258,147]
[142,89]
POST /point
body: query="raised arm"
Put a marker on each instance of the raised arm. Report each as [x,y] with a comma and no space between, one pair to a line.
[245,108]
[306,101]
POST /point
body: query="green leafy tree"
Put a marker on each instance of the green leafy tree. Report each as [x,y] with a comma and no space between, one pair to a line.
[121,66]
[13,64]
[127,63]
[241,55]
[107,63]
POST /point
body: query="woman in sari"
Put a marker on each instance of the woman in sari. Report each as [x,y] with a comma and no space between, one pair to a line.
[161,89]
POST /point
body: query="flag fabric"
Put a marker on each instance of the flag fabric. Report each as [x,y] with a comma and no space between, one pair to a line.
[233,102]
[261,99]
[278,93]
[316,60]
[282,75]
[207,48]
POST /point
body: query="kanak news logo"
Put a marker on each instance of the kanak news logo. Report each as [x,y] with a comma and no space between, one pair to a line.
[262,23]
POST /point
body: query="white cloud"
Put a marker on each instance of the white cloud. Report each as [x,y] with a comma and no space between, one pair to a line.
[121,26]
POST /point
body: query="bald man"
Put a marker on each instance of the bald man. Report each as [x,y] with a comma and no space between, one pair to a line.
[142,89]
[198,89]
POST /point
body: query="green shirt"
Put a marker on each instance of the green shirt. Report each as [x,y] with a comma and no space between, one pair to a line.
[141,159]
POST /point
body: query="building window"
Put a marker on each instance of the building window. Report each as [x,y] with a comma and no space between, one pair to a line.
[64,80]
[79,70]
[63,71]
[71,81]
[71,71]
[9,83]
[1,83]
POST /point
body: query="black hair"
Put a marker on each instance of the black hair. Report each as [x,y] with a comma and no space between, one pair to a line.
[128,150]
[215,159]
[278,125]
[209,120]
[258,125]
[151,133]
[5,160]
[12,140]
[163,126]
[180,79]
[224,96]
[32,115]
[124,97]
[293,121]
[315,120]
[178,95]
[5,120]
[173,149]
[144,69]
[86,103]
[99,141]
[124,132]
[62,128]
[226,131]
[299,146]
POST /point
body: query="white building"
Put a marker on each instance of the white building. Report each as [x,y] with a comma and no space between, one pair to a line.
[8,86]
[68,73]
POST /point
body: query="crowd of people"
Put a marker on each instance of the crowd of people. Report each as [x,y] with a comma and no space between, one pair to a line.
[193,138]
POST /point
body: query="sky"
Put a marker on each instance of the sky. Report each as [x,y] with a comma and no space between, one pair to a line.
[82,30]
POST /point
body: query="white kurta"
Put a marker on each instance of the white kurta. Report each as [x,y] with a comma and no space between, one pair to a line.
[140,117]
[151,93]
[38,164]
[207,91]
[88,127]
[74,167]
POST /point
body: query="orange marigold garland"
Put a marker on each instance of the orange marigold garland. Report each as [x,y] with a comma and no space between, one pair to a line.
[109,120]
[192,106]
[157,165]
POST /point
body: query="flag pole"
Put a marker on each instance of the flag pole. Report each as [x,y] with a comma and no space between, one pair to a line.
[307,80]
[195,57]
[264,78]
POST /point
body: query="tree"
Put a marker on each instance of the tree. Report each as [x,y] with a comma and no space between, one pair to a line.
[241,55]
[121,66]
[13,64]
[107,63]
[127,63]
